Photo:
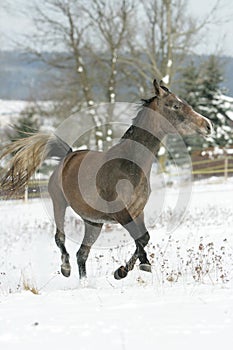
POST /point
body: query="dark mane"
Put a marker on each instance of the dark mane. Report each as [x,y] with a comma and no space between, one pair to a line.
[146,102]
[136,121]
[165,89]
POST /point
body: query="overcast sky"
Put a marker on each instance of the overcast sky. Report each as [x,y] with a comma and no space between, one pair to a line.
[216,38]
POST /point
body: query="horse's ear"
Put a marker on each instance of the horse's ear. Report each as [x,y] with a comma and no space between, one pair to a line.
[156,86]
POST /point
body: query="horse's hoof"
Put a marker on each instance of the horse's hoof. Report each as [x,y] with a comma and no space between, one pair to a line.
[145,267]
[120,273]
[65,270]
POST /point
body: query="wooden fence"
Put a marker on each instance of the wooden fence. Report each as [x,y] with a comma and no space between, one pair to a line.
[202,168]
[221,166]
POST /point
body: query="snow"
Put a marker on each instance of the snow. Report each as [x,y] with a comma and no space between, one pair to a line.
[166,79]
[162,151]
[228,104]
[120,319]
[10,110]
[80,69]
[141,89]
[217,151]
[91,111]
[230,115]
[112,97]
[142,311]
[99,133]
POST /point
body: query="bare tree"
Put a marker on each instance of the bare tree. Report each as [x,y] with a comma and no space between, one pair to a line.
[168,34]
[98,46]
[112,25]
[84,42]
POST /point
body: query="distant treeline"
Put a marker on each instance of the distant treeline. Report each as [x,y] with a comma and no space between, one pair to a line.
[23,78]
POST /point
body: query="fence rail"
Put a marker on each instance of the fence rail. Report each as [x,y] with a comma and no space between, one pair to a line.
[217,166]
[201,168]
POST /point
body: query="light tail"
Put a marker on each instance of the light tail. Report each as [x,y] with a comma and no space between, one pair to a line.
[28,154]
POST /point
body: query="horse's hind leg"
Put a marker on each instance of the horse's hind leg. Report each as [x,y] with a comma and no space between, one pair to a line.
[59,206]
[60,241]
[92,232]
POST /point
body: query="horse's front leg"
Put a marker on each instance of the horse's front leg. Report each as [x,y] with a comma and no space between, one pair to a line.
[140,254]
[138,231]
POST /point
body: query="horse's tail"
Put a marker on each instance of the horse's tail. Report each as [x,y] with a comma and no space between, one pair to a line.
[28,154]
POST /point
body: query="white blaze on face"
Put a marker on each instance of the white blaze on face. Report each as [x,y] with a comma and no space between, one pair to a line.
[204,127]
[179,99]
[200,116]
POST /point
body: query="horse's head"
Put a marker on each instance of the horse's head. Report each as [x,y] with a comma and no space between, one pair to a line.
[179,114]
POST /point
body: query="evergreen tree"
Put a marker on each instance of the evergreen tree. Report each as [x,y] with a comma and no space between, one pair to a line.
[189,86]
[212,102]
[191,92]
[26,124]
[201,89]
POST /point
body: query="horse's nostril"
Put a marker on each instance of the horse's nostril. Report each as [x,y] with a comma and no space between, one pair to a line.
[209,127]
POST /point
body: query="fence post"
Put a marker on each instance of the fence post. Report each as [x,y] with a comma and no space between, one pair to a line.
[225,167]
[26,194]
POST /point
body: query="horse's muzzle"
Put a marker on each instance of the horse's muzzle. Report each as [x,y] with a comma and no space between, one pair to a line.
[205,126]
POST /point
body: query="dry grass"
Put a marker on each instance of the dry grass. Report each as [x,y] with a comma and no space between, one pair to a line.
[29,285]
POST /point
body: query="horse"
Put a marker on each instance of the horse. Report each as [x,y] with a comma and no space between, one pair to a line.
[105,187]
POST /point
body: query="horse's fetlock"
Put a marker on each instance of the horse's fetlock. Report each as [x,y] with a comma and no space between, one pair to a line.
[60,239]
[65,258]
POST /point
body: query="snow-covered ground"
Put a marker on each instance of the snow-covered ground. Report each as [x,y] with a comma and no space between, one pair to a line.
[187,301]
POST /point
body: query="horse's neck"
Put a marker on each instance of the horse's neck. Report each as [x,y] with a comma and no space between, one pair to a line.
[141,141]
[140,136]
[146,130]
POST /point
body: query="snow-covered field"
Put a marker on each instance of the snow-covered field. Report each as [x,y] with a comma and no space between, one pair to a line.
[187,302]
